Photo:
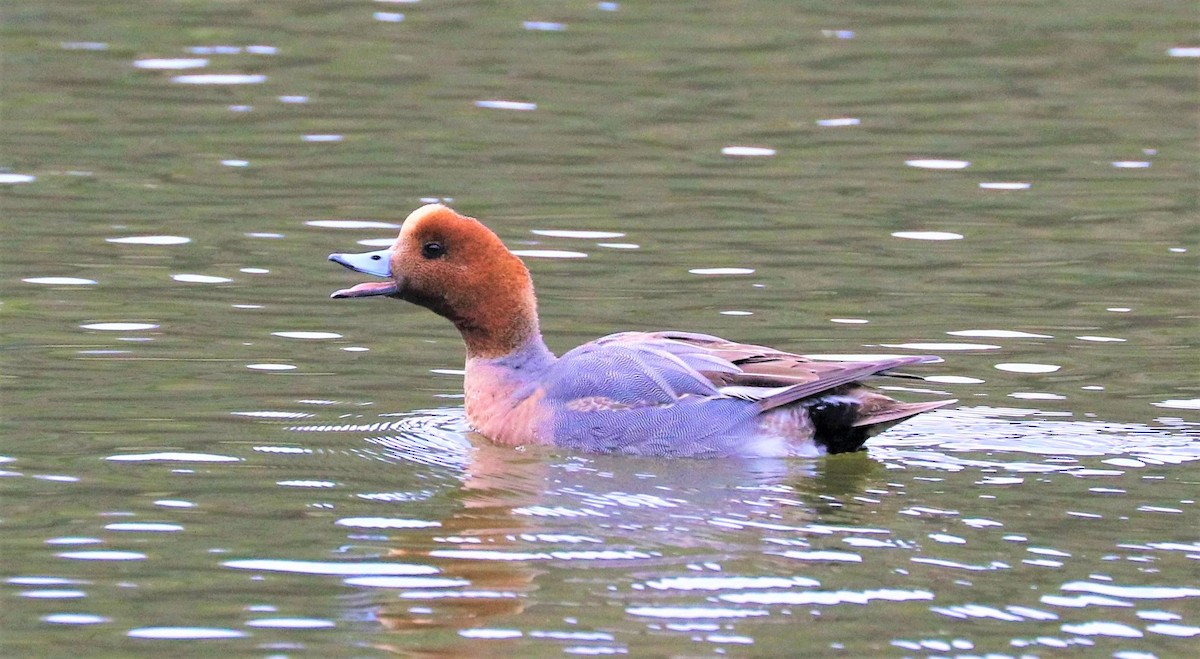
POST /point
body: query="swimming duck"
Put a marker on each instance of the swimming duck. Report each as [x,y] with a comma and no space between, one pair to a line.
[669,394]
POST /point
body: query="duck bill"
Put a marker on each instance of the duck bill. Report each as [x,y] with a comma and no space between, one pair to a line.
[377,263]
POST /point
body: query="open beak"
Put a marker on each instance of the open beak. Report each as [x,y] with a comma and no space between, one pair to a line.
[377,263]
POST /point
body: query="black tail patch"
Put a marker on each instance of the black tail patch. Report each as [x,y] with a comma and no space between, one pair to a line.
[833,420]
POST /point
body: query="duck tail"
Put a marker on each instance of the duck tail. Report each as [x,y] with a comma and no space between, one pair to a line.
[842,425]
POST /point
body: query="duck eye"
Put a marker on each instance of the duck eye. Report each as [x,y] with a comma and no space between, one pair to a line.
[433,250]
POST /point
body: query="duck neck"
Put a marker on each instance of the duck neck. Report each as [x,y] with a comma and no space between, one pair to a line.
[498,316]
[495,384]
[502,393]
[517,341]
[503,328]
[527,360]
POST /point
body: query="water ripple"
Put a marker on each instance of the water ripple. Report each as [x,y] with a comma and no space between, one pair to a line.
[291,623]
[693,612]
[728,583]
[220,79]
[171,63]
[59,281]
[497,104]
[1102,628]
[1132,592]
[170,456]
[329,568]
[828,597]
[748,151]
[404,582]
[185,633]
[75,619]
[386,523]
[934,163]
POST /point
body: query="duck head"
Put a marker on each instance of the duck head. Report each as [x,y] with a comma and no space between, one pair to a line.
[458,268]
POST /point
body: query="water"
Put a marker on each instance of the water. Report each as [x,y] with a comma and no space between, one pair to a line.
[202,452]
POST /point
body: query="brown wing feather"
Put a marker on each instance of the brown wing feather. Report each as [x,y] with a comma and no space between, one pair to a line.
[761,366]
[879,410]
[767,367]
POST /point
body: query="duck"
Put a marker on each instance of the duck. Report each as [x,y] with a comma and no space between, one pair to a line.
[669,394]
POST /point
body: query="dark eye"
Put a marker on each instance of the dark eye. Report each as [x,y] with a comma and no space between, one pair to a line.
[433,250]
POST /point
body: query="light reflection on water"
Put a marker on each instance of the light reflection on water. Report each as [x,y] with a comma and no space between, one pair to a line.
[652,510]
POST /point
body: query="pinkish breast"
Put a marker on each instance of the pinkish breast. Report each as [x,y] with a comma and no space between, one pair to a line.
[505,409]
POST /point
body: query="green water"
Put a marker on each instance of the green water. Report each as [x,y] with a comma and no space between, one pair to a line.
[236,490]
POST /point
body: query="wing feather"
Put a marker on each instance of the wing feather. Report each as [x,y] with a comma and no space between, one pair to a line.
[760,366]
[681,393]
